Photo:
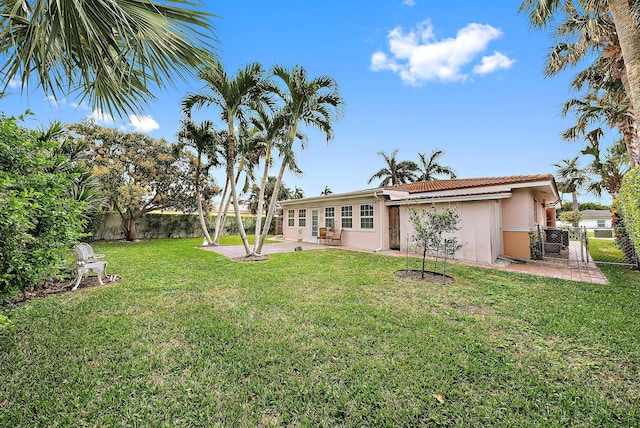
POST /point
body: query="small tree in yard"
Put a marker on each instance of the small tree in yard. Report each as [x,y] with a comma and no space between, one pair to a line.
[138,174]
[430,227]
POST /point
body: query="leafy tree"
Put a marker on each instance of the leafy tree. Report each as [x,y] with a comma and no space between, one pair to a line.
[429,168]
[283,193]
[568,206]
[138,174]
[395,172]
[429,228]
[39,218]
[108,53]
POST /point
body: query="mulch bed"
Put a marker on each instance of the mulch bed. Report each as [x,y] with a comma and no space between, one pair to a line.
[57,286]
[429,277]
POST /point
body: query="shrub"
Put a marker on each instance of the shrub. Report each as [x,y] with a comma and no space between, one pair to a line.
[38,218]
[628,204]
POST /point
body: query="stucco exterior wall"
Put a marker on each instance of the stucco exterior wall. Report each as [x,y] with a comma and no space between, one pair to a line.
[476,234]
[354,236]
[516,244]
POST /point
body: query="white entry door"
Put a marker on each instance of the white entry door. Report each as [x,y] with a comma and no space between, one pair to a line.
[315,221]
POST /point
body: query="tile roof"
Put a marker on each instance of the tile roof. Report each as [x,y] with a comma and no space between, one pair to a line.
[467,183]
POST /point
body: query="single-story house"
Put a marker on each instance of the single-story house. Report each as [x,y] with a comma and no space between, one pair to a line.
[496,214]
[592,219]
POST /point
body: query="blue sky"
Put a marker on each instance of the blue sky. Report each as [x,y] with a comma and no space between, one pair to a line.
[465,77]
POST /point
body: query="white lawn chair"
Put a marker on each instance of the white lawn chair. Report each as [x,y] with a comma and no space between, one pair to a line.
[87,261]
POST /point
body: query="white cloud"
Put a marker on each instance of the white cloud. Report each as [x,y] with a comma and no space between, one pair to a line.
[143,123]
[417,57]
[489,64]
[409,3]
[52,100]
[101,117]
[15,83]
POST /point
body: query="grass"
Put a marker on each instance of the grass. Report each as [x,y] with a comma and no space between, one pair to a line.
[605,250]
[321,338]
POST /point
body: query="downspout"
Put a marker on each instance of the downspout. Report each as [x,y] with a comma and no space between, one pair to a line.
[375,195]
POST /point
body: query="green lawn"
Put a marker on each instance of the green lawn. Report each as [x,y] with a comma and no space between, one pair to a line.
[321,338]
[605,250]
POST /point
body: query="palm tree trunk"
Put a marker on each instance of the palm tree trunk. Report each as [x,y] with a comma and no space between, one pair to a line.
[629,39]
[203,224]
[234,192]
[219,222]
[263,184]
[272,207]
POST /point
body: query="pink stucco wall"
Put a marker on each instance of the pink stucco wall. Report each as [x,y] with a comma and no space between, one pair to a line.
[354,237]
[476,234]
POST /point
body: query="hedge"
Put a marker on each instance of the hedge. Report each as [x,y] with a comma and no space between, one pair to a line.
[629,204]
[170,225]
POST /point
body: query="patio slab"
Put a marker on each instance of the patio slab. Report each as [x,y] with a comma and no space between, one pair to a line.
[572,269]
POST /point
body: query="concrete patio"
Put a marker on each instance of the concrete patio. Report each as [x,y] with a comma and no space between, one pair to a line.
[572,269]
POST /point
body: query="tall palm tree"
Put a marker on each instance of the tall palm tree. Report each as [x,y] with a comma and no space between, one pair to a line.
[625,17]
[204,139]
[429,168]
[311,102]
[237,97]
[571,178]
[113,53]
[607,98]
[395,172]
[608,170]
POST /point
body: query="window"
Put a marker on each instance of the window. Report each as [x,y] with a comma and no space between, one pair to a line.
[366,216]
[535,211]
[302,217]
[601,223]
[291,218]
[330,217]
[346,214]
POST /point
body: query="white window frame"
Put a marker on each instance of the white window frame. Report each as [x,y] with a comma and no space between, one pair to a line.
[367,213]
[330,220]
[601,223]
[291,218]
[348,216]
[302,217]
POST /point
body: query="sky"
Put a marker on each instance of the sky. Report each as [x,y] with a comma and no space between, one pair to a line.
[465,77]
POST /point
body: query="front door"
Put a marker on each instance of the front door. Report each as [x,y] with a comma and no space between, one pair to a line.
[394,228]
[315,220]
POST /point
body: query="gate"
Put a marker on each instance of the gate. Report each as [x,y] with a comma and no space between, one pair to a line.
[611,246]
[600,245]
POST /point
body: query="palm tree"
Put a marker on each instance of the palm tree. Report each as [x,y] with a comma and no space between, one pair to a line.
[267,194]
[428,169]
[204,139]
[326,192]
[571,179]
[109,53]
[312,102]
[395,172]
[624,15]
[609,170]
[237,97]
[606,79]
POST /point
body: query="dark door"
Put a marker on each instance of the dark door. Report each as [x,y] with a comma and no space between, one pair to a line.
[394,228]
